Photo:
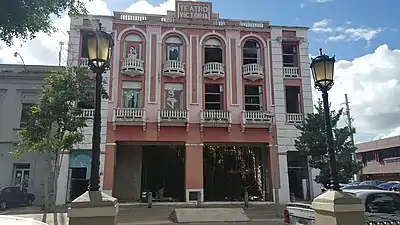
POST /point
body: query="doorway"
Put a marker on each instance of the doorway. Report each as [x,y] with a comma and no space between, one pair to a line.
[163,172]
[78,182]
[229,171]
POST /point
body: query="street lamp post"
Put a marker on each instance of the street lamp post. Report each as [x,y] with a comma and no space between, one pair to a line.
[100,46]
[322,68]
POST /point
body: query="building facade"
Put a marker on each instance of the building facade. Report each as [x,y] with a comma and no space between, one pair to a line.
[200,104]
[20,87]
[381,159]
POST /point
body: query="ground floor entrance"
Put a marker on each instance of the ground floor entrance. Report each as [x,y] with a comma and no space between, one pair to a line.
[230,171]
[181,172]
[155,168]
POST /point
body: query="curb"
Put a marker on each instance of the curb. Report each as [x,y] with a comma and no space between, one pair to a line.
[210,222]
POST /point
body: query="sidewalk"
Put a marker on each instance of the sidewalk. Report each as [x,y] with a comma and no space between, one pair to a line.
[157,215]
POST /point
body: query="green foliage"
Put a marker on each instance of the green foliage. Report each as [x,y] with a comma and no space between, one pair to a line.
[312,142]
[23,19]
[56,123]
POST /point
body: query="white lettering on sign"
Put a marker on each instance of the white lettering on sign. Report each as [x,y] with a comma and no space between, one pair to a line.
[200,12]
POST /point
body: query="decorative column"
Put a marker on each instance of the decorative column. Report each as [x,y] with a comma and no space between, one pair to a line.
[338,208]
[194,172]
[109,166]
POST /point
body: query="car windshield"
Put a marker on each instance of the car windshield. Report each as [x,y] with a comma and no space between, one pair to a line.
[388,203]
[372,182]
[387,185]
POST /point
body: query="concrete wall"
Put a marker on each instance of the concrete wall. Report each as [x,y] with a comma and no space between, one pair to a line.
[287,133]
[128,173]
[17,87]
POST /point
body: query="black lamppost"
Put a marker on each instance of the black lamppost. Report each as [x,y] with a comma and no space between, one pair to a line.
[322,68]
[100,46]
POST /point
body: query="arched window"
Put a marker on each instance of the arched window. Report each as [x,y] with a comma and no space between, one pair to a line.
[251,52]
[174,47]
[133,46]
[213,51]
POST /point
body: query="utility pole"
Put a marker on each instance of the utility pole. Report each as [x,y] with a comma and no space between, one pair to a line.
[61,43]
[349,123]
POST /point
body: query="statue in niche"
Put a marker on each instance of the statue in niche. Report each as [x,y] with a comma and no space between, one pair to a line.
[132,52]
[174,53]
[171,100]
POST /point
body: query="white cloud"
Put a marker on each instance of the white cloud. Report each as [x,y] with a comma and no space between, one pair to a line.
[302,5]
[372,84]
[321,24]
[345,33]
[43,50]
[337,38]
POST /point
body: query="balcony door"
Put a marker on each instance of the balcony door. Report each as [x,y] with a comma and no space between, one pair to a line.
[131,95]
[173,96]
[214,96]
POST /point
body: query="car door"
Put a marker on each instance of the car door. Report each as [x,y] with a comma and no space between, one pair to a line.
[8,196]
[381,203]
[19,196]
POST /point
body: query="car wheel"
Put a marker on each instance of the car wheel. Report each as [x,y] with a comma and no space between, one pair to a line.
[3,205]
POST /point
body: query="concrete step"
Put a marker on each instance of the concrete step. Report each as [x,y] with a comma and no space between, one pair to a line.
[203,215]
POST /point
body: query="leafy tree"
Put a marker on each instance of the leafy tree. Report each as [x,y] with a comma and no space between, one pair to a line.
[23,19]
[55,123]
[312,142]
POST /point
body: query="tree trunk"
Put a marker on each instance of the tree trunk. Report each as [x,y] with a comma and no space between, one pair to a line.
[56,173]
[46,189]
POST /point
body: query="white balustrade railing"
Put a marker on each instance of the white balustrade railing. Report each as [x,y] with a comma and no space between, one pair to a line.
[216,115]
[84,62]
[290,72]
[87,113]
[257,116]
[132,64]
[168,114]
[294,117]
[129,113]
[214,70]
[174,66]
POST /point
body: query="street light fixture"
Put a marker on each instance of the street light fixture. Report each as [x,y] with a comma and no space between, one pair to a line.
[322,68]
[100,45]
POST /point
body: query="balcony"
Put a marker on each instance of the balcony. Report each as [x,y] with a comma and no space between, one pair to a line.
[84,63]
[290,72]
[215,118]
[173,117]
[256,119]
[253,71]
[174,69]
[294,117]
[132,66]
[214,70]
[129,117]
[87,113]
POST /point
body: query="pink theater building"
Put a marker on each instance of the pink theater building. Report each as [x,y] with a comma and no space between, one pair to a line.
[202,104]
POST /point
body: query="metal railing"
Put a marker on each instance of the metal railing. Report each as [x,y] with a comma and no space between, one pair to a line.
[132,65]
[129,113]
[290,72]
[257,117]
[294,117]
[216,116]
[173,114]
[174,68]
[87,113]
[214,70]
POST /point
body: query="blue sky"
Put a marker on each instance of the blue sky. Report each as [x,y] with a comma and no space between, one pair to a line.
[361,14]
